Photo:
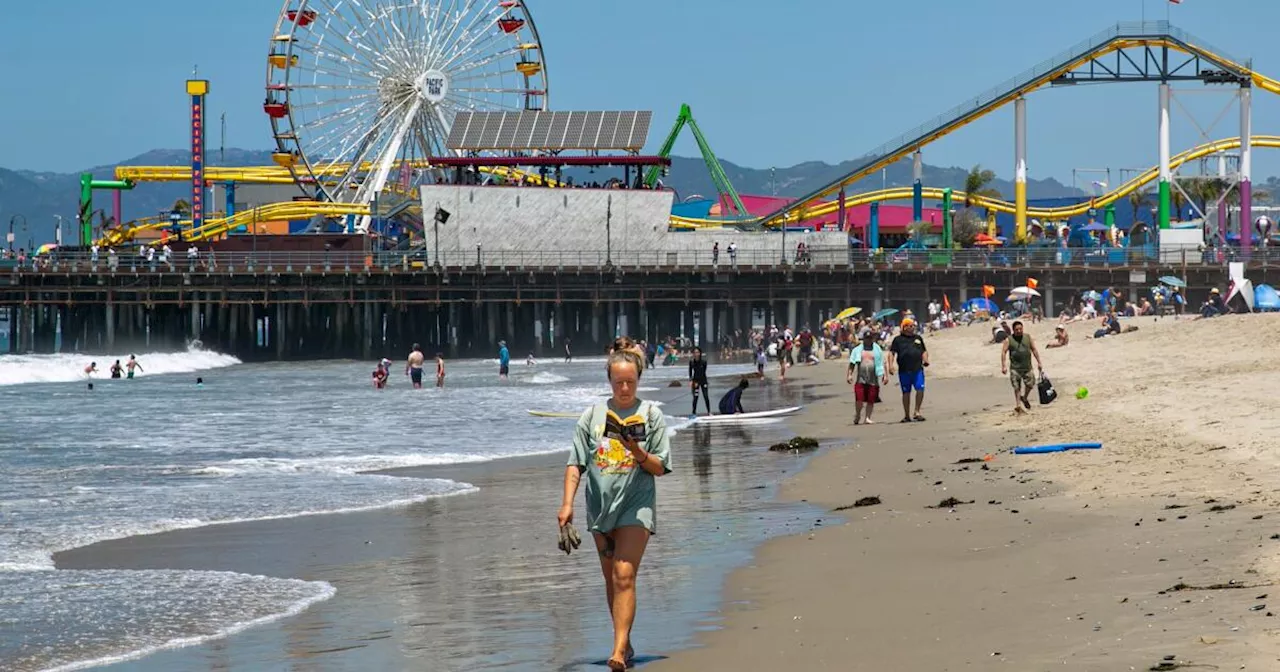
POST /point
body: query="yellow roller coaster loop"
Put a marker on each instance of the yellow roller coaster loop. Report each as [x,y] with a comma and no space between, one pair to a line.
[998,205]
[1115,40]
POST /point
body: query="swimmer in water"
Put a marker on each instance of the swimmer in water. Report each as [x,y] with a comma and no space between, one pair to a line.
[116,369]
[413,368]
[199,382]
[529,361]
[439,369]
[131,365]
[91,369]
[380,375]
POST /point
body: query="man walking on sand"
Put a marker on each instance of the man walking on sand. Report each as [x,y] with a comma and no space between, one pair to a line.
[1015,360]
[866,367]
[909,357]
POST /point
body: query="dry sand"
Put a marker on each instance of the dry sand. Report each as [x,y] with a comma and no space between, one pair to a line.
[1063,561]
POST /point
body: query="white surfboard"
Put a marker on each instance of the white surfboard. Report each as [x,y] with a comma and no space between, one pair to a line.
[738,417]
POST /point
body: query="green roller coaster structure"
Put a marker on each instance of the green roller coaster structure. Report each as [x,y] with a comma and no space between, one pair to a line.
[728,196]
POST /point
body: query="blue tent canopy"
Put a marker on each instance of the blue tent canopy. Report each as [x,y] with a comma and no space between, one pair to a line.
[1265,298]
[979,304]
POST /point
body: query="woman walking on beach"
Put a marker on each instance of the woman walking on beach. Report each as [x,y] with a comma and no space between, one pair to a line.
[621,490]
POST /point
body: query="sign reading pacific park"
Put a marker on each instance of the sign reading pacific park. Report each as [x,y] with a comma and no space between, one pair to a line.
[197,89]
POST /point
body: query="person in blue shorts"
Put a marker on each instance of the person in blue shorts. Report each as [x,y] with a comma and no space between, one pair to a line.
[909,357]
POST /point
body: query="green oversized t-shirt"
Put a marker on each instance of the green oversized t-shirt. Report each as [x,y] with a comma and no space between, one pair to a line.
[620,493]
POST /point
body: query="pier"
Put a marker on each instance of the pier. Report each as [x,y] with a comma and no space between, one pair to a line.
[313,305]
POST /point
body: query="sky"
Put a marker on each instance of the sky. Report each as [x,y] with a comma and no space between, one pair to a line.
[771,83]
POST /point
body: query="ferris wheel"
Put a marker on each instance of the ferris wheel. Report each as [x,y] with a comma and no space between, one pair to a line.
[357,89]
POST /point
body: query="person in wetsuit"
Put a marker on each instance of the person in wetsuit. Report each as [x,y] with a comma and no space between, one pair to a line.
[731,402]
[698,381]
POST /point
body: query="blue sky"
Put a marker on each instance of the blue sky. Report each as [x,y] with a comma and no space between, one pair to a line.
[771,83]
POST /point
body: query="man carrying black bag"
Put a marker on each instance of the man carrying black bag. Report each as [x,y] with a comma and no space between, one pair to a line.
[1015,359]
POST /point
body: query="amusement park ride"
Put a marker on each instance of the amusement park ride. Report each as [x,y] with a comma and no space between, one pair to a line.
[364,108]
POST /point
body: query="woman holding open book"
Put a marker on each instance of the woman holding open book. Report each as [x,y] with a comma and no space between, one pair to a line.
[621,445]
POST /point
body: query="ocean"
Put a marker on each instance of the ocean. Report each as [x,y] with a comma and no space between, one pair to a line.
[253,443]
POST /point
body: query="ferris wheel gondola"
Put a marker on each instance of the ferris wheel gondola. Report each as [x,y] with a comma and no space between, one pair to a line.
[357,89]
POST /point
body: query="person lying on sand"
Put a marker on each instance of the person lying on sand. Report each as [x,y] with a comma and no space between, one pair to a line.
[1060,337]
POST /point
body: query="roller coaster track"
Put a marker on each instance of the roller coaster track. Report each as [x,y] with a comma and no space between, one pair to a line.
[1157,35]
[290,210]
[1135,183]
[274,174]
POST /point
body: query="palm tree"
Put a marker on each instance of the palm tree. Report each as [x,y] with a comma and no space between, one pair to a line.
[1139,199]
[182,207]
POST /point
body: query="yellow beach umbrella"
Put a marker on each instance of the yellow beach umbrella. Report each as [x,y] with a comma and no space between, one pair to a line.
[847,313]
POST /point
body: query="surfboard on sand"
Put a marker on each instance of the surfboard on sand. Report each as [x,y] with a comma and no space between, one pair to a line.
[737,417]
[552,414]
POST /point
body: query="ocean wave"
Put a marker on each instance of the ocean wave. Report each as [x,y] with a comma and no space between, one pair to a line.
[547,378]
[178,609]
[358,464]
[66,368]
[23,557]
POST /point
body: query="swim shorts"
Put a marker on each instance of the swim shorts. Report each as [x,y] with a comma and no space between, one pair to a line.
[910,379]
[416,376]
[867,394]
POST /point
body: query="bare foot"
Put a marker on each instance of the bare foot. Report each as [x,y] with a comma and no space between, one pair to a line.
[868,421]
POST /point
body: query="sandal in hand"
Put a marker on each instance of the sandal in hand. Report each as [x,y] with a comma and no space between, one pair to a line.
[569,539]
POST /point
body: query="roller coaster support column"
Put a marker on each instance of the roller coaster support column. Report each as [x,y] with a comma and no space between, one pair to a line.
[873,227]
[946,219]
[1246,171]
[1166,175]
[230,188]
[1020,169]
[840,218]
[917,188]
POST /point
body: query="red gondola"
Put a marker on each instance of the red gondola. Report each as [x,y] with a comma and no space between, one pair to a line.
[303,18]
[275,110]
[510,25]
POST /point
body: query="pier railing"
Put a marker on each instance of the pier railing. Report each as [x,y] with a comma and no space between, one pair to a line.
[690,260]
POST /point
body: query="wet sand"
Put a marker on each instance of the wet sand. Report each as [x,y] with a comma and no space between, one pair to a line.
[1158,549]
[475,581]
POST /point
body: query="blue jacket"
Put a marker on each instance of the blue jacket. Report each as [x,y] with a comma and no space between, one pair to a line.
[504,357]
[855,357]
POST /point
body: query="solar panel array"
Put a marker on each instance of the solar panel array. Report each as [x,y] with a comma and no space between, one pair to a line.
[536,129]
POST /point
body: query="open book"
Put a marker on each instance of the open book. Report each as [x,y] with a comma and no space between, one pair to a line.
[632,427]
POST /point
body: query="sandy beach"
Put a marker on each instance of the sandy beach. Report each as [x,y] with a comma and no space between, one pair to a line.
[1157,552]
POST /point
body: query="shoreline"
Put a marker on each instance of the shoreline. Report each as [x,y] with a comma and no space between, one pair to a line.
[1067,559]
[397,552]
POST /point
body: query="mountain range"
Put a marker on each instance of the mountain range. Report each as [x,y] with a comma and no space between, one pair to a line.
[38,196]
